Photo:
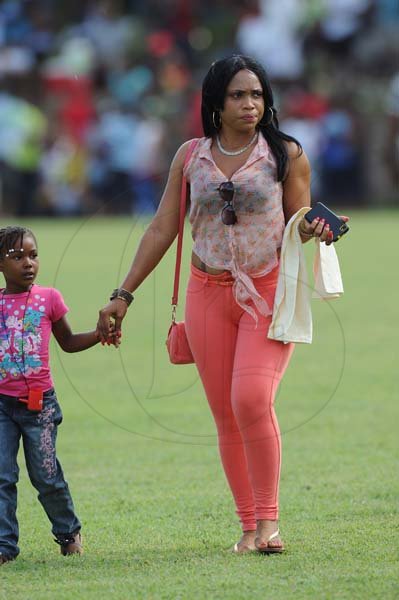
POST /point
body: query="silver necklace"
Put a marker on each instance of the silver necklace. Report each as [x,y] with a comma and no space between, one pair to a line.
[235,152]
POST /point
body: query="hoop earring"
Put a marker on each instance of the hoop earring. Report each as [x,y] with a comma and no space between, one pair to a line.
[271,117]
[216,126]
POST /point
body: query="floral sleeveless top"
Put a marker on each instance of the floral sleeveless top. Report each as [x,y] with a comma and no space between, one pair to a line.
[249,248]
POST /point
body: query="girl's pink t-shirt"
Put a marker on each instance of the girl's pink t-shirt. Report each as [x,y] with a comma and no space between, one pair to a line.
[25,328]
[248,249]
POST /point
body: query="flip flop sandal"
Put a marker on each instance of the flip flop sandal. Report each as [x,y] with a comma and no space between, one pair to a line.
[266,549]
[246,549]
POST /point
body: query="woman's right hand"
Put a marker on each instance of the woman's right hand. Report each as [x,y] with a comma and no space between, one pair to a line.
[318,228]
[115,309]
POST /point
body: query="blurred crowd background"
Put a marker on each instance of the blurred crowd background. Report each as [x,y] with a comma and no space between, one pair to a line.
[96,96]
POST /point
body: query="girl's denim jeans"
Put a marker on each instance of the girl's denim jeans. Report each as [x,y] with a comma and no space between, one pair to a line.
[38,431]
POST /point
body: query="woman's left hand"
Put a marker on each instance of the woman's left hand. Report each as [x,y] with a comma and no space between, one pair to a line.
[318,228]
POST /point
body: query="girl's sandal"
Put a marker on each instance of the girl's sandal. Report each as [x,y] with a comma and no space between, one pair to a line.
[265,548]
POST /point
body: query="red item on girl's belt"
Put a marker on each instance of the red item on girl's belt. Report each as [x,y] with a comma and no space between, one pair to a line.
[34,400]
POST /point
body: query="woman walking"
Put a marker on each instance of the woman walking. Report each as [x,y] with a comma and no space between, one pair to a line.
[247,179]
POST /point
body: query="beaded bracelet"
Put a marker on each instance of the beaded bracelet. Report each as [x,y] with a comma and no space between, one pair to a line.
[122,294]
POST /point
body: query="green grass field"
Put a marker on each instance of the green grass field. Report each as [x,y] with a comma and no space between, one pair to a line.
[138,444]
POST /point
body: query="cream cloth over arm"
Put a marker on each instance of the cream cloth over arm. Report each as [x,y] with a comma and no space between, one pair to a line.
[292,316]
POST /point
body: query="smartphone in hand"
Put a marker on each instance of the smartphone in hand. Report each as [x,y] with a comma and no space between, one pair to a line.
[337,225]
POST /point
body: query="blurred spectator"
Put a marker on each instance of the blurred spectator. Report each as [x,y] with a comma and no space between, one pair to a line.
[391,150]
[116,87]
[273,38]
[111,141]
[338,25]
[22,131]
[63,176]
[128,84]
[340,166]
[303,114]
[148,165]
[110,32]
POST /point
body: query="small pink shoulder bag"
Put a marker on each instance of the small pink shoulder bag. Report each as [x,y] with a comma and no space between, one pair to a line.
[177,342]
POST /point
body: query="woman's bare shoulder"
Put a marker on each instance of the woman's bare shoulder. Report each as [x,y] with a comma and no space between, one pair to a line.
[180,156]
[294,151]
[298,162]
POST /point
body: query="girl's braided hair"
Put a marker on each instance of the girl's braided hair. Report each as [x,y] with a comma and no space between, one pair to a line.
[9,236]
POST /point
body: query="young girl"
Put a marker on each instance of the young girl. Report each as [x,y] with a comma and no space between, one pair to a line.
[28,403]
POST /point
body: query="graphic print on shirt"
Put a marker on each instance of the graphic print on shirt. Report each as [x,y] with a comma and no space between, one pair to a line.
[21,340]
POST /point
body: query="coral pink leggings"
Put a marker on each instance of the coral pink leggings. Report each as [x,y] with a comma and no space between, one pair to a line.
[240,369]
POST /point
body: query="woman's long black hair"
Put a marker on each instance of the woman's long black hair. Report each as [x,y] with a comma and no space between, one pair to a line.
[213,95]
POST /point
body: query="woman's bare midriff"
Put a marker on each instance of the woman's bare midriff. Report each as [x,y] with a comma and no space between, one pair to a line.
[197,262]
